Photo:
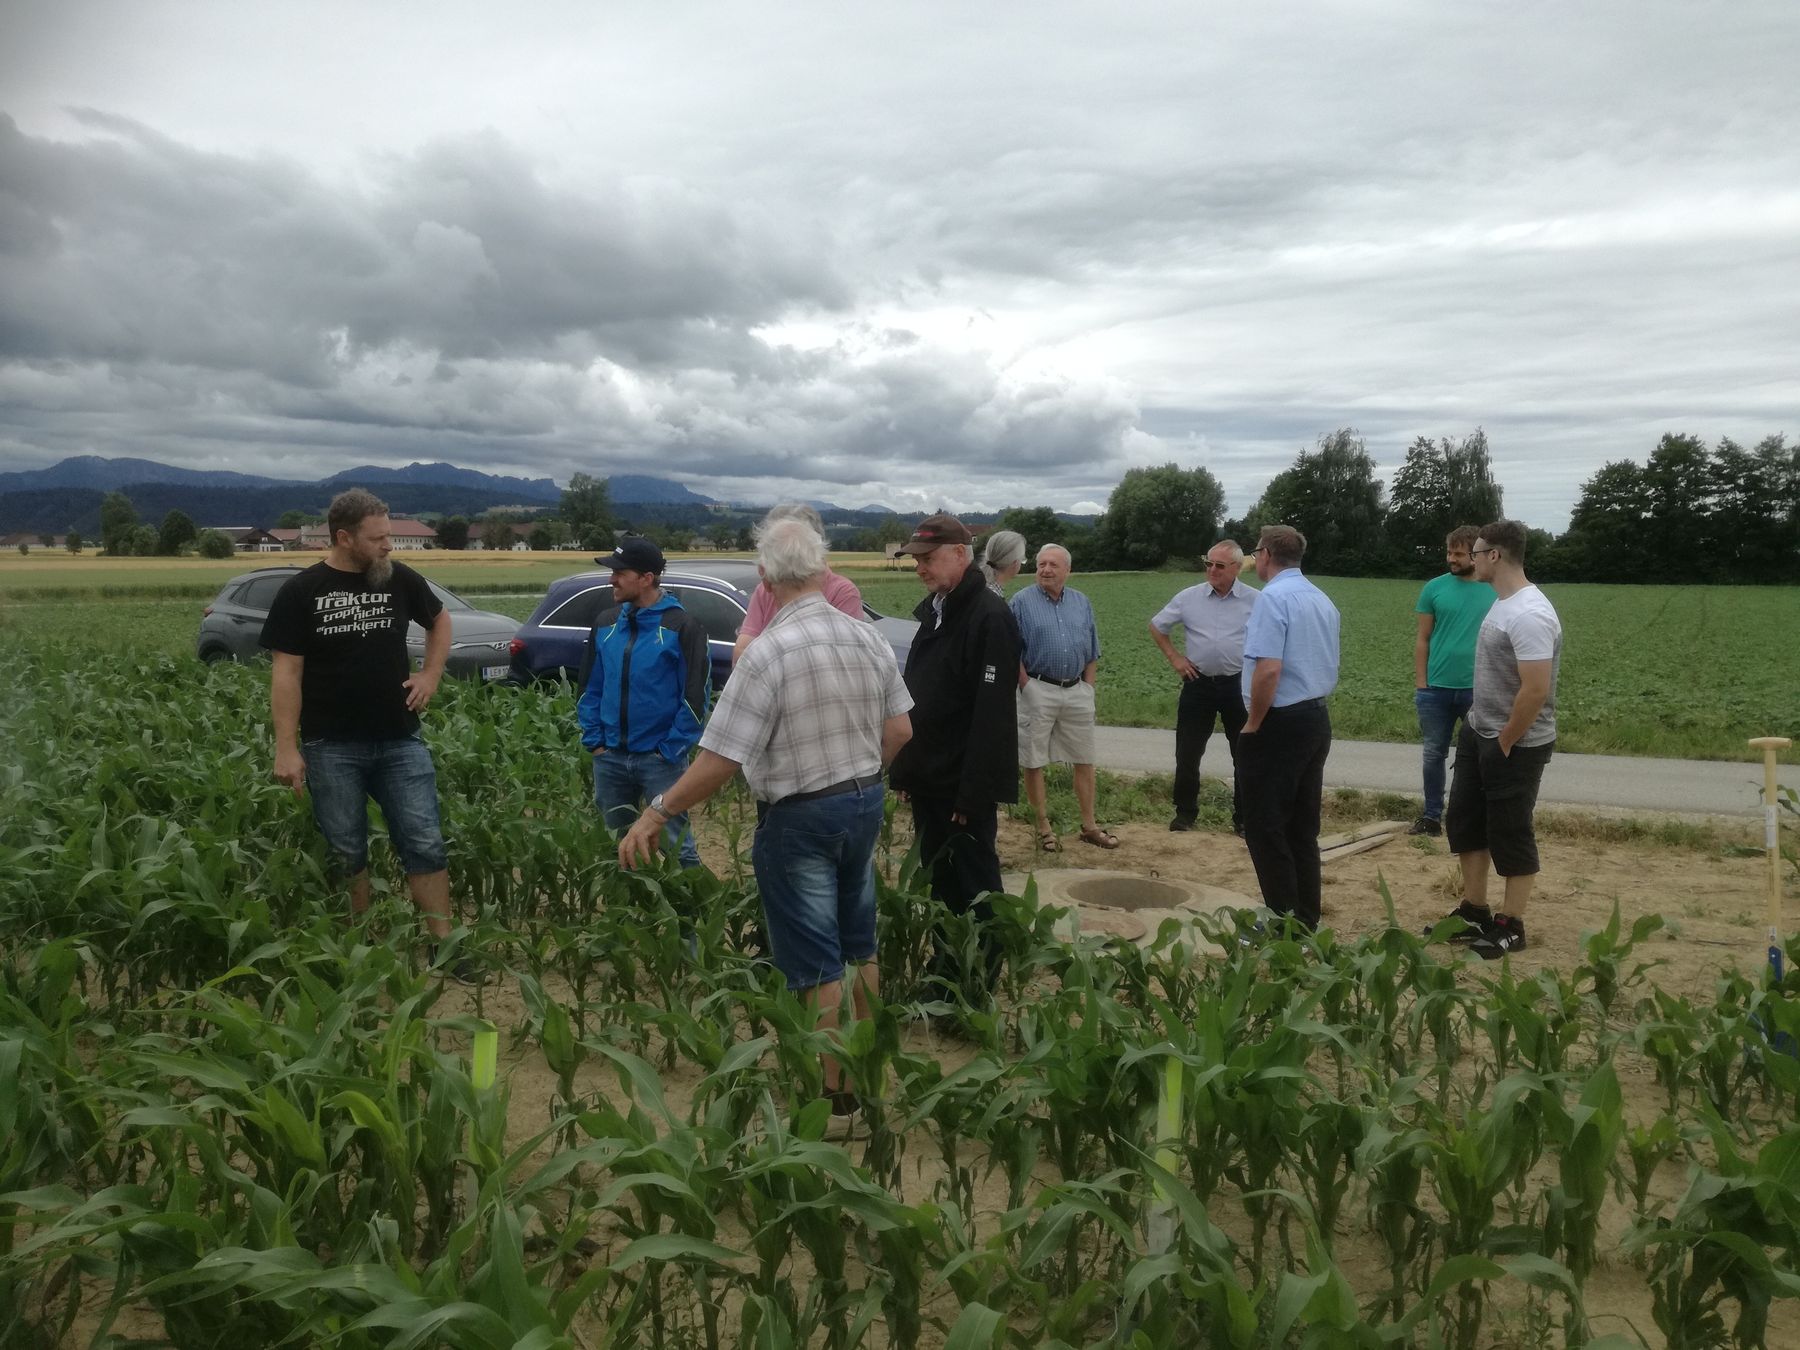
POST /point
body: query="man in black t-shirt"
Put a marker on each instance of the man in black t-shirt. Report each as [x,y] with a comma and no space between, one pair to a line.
[346,701]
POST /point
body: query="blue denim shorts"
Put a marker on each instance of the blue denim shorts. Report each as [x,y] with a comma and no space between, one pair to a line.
[341,776]
[815,866]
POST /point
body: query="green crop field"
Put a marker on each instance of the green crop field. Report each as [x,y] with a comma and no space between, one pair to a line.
[230,1117]
[1675,671]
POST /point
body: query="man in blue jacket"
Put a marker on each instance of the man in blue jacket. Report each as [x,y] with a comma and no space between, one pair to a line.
[645,694]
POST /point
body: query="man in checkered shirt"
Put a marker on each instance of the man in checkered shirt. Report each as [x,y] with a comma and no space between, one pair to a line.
[814,712]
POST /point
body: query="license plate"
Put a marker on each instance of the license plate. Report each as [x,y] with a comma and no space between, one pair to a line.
[495,672]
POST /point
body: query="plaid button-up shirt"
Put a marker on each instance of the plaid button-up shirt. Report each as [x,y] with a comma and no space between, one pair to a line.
[805,705]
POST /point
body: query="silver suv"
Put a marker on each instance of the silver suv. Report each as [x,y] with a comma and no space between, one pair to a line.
[231,628]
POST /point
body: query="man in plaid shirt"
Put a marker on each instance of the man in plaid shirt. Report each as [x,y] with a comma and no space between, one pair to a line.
[814,712]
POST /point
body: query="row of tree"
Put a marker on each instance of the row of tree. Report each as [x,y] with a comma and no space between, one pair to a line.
[122,534]
[1727,514]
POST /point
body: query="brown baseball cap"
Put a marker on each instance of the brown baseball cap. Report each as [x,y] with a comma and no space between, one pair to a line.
[936,531]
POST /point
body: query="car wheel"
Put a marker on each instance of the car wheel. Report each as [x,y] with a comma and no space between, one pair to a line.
[214,655]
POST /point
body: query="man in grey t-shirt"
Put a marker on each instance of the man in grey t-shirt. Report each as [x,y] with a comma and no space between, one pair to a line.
[1506,742]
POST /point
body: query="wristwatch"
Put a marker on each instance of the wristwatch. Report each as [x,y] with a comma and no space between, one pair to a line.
[656,805]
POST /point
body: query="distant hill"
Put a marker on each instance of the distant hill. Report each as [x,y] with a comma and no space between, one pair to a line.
[108,475]
[635,489]
[448,475]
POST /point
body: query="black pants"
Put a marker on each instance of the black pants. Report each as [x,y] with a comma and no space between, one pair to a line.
[1204,699]
[1282,768]
[1492,798]
[963,861]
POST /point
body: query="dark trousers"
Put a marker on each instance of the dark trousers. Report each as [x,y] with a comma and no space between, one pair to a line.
[1204,699]
[963,861]
[1282,768]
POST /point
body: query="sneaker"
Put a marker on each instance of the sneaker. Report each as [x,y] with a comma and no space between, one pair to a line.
[1478,918]
[1181,824]
[1426,825]
[458,968]
[1505,934]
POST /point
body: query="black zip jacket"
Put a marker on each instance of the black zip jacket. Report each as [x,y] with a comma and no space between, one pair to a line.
[964,679]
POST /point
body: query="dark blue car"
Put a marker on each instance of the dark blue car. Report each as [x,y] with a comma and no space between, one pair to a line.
[549,644]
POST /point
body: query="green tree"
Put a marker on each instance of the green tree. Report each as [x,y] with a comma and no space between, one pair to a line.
[293,520]
[1332,497]
[177,533]
[587,510]
[1606,539]
[1474,496]
[24,549]
[542,539]
[453,534]
[1678,496]
[497,535]
[212,544]
[1756,510]
[117,517]
[1038,524]
[1440,486]
[141,541]
[74,541]
[1154,515]
[746,538]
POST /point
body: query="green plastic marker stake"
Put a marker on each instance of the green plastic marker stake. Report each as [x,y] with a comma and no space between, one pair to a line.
[484,1058]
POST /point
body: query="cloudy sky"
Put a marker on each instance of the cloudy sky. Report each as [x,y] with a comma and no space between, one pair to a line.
[978,255]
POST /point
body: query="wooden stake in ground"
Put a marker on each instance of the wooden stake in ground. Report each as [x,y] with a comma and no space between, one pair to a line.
[1769,745]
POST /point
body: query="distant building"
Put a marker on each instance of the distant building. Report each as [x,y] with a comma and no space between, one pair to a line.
[250,538]
[33,541]
[411,534]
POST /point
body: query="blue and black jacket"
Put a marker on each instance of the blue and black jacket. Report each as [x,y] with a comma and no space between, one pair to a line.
[646,684]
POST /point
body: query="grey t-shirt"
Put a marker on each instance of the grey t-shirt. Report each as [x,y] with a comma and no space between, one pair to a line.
[1522,627]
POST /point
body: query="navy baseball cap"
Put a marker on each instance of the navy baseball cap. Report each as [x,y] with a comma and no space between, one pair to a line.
[635,554]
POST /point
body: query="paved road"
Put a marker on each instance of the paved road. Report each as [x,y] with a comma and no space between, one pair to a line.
[1690,785]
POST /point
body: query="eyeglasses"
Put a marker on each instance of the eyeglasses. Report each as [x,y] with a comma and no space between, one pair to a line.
[1255,551]
[1477,552]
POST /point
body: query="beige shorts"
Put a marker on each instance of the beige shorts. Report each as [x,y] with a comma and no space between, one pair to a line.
[1056,726]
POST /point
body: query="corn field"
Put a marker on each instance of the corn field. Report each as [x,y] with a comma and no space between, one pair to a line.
[230,1117]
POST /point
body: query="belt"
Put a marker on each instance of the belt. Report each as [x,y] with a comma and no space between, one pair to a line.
[1301,706]
[838,789]
[1060,684]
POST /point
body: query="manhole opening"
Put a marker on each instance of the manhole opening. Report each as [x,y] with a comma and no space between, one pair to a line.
[1127,893]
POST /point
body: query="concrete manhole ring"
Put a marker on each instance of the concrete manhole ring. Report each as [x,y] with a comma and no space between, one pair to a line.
[1125,905]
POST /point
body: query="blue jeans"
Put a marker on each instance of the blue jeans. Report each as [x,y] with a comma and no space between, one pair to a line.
[341,776]
[1439,711]
[624,780]
[815,867]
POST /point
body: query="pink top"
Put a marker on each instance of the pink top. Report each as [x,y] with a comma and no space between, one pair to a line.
[840,592]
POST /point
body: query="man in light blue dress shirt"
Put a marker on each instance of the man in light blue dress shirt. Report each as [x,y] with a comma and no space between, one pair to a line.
[1290,669]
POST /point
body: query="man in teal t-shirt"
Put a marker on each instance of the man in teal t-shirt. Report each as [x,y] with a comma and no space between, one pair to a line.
[1450,610]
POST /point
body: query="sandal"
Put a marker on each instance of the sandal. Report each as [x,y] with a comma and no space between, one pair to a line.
[1048,842]
[1099,838]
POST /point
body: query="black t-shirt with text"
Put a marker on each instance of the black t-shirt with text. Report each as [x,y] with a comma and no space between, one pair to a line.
[352,637]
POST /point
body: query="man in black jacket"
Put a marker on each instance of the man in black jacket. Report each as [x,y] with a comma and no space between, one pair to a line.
[962,761]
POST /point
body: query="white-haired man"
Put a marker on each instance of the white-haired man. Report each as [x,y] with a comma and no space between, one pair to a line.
[1213,616]
[1059,660]
[813,714]
[839,591]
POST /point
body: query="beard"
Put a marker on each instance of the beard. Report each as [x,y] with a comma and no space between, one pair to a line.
[379,572]
[1462,569]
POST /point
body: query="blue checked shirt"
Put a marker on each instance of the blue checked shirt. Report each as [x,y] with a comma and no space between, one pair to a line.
[1297,625]
[1057,638]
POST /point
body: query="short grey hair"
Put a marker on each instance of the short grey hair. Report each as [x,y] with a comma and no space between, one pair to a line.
[1068,557]
[791,552]
[1234,550]
[1003,549]
[796,511]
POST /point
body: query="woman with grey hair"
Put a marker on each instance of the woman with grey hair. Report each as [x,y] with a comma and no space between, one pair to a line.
[840,591]
[1002,558]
